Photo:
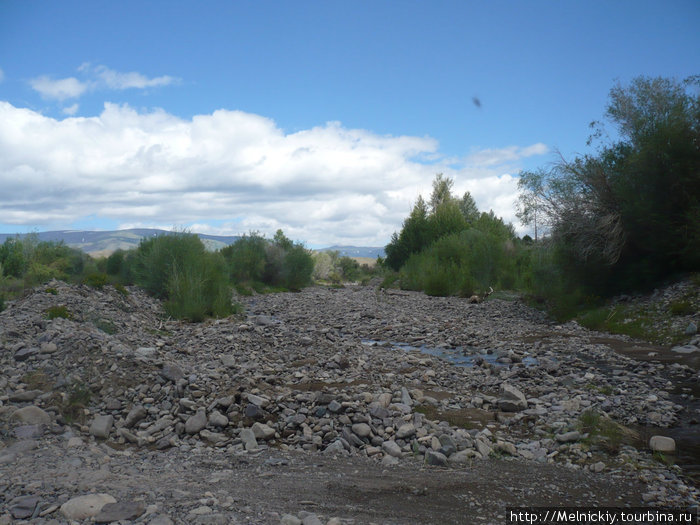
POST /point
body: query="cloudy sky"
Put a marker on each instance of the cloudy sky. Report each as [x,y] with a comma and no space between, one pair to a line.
[324,118]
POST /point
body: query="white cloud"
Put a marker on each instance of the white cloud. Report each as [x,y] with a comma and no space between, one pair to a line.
[60,89]
[71,110]
[95,78]
[115,80]
[323,185]
[2,75]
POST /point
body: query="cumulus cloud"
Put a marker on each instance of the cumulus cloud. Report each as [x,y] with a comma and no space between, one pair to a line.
[95,78]
[240,171]
[58,89]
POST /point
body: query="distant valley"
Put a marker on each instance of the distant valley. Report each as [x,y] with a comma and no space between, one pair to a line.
[102,243]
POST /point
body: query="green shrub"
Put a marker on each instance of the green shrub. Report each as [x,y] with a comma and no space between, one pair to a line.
[51,291]
[297,268]
[115,263]
[120,288]
[96,280]
[246,258]
[681,308]
[178,268]
[106,326]
[58,311]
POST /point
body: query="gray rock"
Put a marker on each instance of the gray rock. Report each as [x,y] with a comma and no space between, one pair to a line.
[123,510]
[102,426]
[228,361]
[248,438]
[334,406]
[135,415]
[48,348]
[260,401]
[406,430]
[196,422]
[253,411]
[361,429]
[568,437]
[392,449]
[84,507]
[171,372]
[483,447]
[212,437]
[435,458]
[335,448]
[262,431]
[28,431]
[23,508]
[511,399]
[662,444]
[217,419]
[311,519]
[691,329]
[289,519]
[25,353]
[161,520]
[27,395]
[32,415]
[145,351]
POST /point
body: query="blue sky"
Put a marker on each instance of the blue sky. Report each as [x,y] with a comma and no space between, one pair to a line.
[325,119]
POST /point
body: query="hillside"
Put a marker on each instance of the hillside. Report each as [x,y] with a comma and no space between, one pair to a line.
[101,243]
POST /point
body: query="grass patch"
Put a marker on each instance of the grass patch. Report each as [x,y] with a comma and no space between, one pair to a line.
[120,289]
[51,291]
[681,308]
[618,320]
[603,431]
[72,409]
[106,326]
[37,380]
[58,311]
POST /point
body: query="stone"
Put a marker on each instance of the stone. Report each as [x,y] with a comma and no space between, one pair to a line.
[248,438]
[311,519]
[145,351]
[568,437]
[28,431]
[102,426]
[663,444]
[23,508]
[435,458]
[48,348]
[135,415]
[392,449]
[691,329]
[32,415]
[598,467]
[228,361]
[123,510]
[289,519]
[171,372]
[361,429]
[253,411]
[483,447]
[84,507]
[334,406]
[196,422]
[161,520]
[505,448]
[212,437]
[217,419]
[25,353]
[24,396]
[685,349]
[512,399]
[462,457]
[406,430]
[258,400]
[262,431]
[335,448]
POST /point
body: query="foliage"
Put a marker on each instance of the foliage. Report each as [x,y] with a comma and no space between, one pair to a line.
[58,311]
[96,280]
[629,216]
[177,268]
[246,258]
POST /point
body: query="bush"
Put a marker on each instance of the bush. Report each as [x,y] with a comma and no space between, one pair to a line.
[58,311]
[96,280]
[177,268]
[246,258]
[298,267]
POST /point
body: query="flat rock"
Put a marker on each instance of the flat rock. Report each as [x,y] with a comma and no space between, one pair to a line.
[405,430]
[23,508]
[32,415]
[392,449]
[263,431]
[84,507]
[171,372]
[135,415]
[122,510]
[435,458]
[26,395]
[685,349]
[568,437]
[361,429]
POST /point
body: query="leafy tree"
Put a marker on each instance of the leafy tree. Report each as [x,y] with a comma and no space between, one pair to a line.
[467,205]
[442,192]
[628,215]
[414,236]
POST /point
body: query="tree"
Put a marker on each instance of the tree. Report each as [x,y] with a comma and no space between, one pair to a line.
[469,208]
[631,211]
[442,188]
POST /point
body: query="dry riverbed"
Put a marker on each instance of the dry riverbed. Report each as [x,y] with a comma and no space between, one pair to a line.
[329,406]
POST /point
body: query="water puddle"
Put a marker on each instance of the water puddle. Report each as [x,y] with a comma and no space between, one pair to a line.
[466,356]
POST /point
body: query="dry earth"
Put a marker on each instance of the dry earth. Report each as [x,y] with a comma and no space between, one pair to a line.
[328,406]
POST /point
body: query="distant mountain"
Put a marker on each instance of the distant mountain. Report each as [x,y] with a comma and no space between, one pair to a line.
[105,242]
[356,251]
[100,243]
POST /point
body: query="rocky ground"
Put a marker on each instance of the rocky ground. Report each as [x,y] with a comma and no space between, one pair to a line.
[329,406]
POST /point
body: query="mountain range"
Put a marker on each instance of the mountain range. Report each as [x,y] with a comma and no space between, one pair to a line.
[101,243]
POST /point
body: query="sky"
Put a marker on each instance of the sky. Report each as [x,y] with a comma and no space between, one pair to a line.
[326,119]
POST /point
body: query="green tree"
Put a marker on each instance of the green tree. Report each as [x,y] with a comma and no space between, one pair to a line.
[442,192]
[469,209]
